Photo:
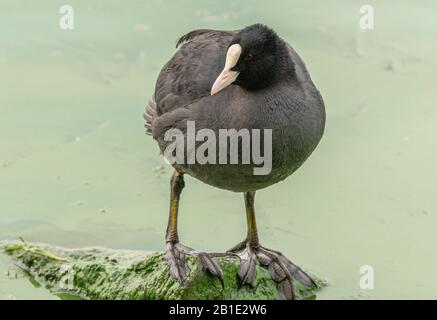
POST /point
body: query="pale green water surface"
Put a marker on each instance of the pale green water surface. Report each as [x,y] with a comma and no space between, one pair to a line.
[76,168]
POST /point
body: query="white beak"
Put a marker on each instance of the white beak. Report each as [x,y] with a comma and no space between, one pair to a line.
[227,76]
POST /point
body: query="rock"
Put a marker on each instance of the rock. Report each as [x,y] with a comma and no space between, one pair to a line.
[99,273]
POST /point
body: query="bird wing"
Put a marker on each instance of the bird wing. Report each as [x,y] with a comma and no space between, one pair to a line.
[190,73]
[196,33]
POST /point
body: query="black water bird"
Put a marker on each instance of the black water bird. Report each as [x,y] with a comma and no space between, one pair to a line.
[249,78]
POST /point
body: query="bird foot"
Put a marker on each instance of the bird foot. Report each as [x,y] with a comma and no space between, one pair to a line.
[282,270]
[175,254]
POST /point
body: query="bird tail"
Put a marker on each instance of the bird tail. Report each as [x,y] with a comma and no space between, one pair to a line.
[149,115]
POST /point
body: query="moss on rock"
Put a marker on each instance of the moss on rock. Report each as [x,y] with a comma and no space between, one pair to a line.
[99,273]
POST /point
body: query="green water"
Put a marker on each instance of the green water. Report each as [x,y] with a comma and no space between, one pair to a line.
[77,170]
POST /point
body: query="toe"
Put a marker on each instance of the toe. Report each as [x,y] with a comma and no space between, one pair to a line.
[211,266]
[247,271]
[176,262]
[296,272]
[264,257]
[291,270]
[238,247]
[286,289]
[277,272]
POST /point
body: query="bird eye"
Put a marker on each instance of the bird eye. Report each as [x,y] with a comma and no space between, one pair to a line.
[249,56]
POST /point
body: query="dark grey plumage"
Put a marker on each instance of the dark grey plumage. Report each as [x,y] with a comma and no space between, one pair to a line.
[291,106]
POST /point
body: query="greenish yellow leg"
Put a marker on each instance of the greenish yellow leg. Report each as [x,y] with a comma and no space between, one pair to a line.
[252,232]
[177,184]
[175,252]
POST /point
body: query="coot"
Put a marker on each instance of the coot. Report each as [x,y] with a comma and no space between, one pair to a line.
[248,79]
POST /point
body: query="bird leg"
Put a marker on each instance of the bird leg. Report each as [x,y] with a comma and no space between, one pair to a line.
[282,270]
[175,252]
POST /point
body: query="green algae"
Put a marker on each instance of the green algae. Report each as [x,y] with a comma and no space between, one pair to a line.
[99,273]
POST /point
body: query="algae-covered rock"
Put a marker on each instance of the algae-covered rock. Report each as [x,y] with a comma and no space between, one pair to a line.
[99,273]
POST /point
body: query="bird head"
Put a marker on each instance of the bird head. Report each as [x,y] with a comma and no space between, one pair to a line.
[252,59]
